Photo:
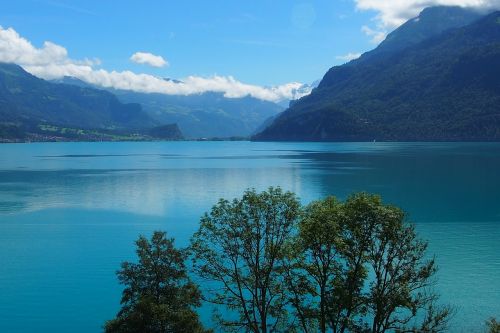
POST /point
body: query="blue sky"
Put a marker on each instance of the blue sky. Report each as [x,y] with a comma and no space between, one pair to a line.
[263,48]
[260,41]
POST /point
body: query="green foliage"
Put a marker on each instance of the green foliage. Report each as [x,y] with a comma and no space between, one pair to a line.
[353,266]
[314,265]
[240,251]
[158,296]
[400,289]
[272,265]
[362,268]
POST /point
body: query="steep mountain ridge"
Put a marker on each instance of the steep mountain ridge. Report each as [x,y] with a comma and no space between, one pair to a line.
[445,87]
[431,22]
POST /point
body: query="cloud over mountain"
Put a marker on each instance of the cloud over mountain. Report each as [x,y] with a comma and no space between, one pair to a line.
[393,13]
[51,61]
[150,59]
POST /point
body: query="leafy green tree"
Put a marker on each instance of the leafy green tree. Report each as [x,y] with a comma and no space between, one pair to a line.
[158,297]
[359,267]
[353,266]
[240,251]
[314,265]
[348,299]
[401,286]
[332,270]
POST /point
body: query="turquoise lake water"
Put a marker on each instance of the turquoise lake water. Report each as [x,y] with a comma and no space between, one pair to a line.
[70,212]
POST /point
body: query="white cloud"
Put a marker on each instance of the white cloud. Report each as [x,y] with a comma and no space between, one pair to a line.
[51,61]
[349,56]
[393,13]
[149,59]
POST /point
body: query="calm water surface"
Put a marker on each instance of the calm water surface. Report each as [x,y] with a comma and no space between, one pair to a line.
[69,213]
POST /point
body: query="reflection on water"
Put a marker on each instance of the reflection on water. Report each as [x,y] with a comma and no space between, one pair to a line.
[70,212]
[147,192]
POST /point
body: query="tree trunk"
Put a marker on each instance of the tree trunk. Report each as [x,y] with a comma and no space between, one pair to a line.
[323,310]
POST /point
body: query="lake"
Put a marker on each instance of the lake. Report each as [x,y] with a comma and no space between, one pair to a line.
[70,212]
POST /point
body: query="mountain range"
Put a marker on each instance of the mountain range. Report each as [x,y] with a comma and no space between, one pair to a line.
[206,115]
[436,78]
[70,109]
[31,107]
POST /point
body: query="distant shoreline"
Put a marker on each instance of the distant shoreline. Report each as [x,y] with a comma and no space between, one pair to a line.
[142,139]
[55,140]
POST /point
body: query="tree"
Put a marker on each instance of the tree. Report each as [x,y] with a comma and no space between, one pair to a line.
[314,263]
[240,251]
[158,297]
[362,269]
[332,272]
[353,266]
[348,300]
[401,286]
